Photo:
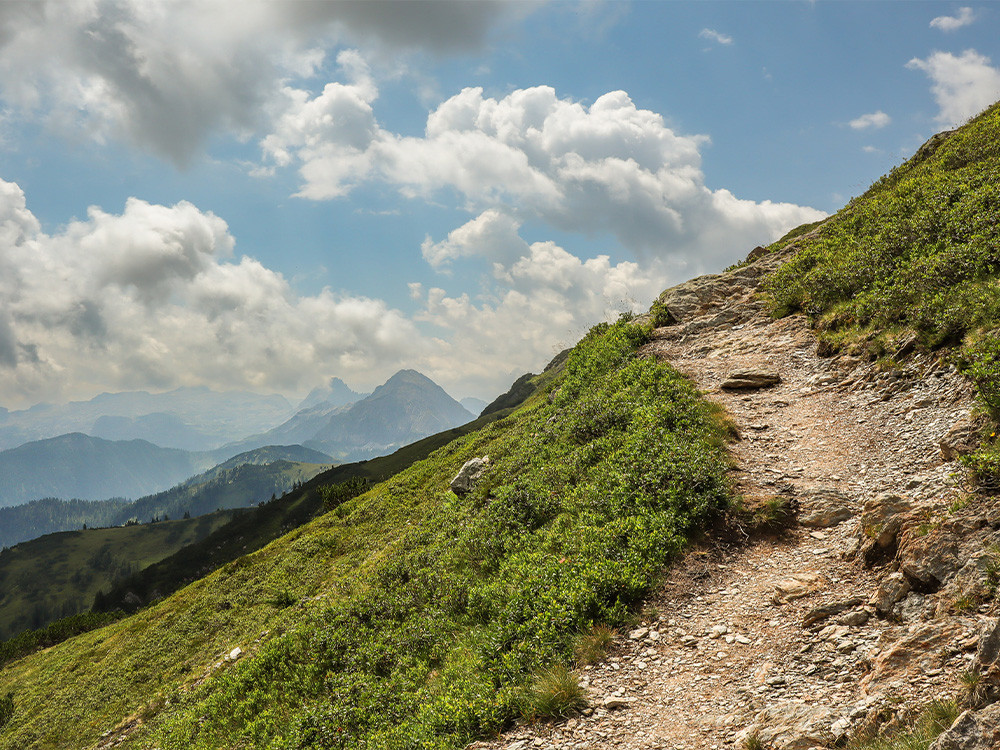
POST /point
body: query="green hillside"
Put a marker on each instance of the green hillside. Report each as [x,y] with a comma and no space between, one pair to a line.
[239,482]
[914,261]
[409,616]
[252,530]
[57,575]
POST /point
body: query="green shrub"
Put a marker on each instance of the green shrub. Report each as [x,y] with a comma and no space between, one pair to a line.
[6,709]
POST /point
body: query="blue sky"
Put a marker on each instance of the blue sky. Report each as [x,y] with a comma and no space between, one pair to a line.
[263,195]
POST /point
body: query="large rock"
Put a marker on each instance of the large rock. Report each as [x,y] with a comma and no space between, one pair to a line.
[792,726]
[962,438]
[881,521]
[987,665]
[469,474]
[916,652]
[932,554]
[979,730]
[750,380]
[893,589]
[824,508]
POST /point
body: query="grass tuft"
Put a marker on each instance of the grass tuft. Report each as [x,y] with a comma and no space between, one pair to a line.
[553,694]
[591,647]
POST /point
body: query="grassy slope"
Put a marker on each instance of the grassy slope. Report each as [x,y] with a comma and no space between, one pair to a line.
[432,611]
[57,575]
[918,255]
[920,250]
[250,531]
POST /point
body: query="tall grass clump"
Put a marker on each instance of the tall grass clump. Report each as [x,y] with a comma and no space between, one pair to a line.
[456,608]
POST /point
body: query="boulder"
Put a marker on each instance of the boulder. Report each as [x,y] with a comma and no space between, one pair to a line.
[824,508]
[796,586]
[881,521]
[792,726]
[973,730]
[750,380]
[919,650]
[986,665]
[929,558]
[962,438]
[818,614]
[469,474]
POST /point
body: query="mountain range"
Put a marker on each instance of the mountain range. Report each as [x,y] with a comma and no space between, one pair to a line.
[193,419]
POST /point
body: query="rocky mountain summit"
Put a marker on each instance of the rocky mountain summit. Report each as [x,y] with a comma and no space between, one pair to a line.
[875,601]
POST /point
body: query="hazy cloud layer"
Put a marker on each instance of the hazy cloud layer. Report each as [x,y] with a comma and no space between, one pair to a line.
[964,17]
[608,168]
[165,74]
[963,85]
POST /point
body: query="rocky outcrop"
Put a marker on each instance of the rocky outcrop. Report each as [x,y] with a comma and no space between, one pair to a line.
[824,508]
[792,726]
[972,731]
[962,439]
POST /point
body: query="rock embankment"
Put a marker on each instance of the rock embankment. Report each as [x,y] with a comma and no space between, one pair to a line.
[876,602]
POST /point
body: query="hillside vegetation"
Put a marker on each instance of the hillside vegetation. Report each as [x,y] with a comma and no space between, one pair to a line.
[58,575]
[409,616]
[914,261]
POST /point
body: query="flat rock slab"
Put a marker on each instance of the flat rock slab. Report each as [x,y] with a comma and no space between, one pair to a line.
[750,380]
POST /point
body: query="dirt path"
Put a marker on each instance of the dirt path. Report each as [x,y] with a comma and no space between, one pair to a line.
[725,639]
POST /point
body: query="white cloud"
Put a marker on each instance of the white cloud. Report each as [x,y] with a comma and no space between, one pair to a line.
[876,120]
[152,297]
[610,168]
[964,17]
[715,36]
[166,74]
[963,85]
[543,301]
[492,235]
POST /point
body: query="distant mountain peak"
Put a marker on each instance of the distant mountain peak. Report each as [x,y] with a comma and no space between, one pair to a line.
[334,392]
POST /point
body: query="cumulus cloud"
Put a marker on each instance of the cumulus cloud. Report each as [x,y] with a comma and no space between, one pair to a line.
[165,74]
[715,36]
[962,85]
[153,297]
[964,17]
[157,297]
[542,302]
[876,120]
[492,235]
[605,169]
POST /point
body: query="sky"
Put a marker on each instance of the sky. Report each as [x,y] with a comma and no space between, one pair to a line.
[263,195]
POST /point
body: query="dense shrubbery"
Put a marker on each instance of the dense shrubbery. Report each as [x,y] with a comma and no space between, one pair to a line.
[918,252]
[441,635]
